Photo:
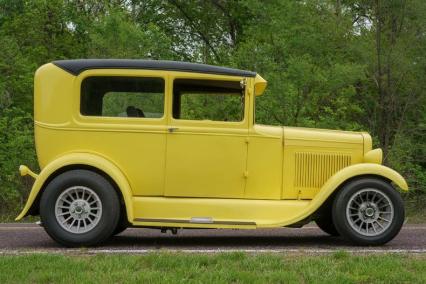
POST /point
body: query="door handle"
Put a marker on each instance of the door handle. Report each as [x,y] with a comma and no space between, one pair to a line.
[172,129]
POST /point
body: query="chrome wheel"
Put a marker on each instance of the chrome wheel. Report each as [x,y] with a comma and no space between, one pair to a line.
[78,209]
[369,212]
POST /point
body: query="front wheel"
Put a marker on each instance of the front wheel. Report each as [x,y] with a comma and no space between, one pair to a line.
[79,208]
[368,211]
[325,223]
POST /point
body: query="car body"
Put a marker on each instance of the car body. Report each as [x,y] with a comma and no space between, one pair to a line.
[178,144]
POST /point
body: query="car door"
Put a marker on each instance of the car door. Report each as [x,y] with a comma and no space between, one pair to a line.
[206,152]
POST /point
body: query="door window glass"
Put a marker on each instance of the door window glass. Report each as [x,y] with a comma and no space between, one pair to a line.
[208,100]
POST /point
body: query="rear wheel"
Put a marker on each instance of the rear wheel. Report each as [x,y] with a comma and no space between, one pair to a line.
[79,208]
[123,223]
[368,211]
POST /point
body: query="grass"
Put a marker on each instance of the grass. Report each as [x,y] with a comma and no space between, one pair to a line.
[340,267]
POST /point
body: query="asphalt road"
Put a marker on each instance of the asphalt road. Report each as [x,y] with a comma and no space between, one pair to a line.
[24,238]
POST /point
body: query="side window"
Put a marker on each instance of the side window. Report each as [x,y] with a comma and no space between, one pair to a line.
[208,100]
[113,96]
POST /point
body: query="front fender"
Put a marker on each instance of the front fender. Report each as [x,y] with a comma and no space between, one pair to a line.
[88,159]
[353,171]
[339,178]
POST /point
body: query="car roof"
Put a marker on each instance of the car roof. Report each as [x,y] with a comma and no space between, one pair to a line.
[76,66]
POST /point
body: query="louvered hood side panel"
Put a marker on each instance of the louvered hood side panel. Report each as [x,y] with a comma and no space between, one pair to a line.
[312,156]
[314,169]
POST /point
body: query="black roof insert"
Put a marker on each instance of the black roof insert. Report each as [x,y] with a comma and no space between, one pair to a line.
[77,66]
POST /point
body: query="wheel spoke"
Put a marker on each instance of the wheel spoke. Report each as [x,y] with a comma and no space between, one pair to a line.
[64,200]
[77,193]
[72,223]
[66,220]
[374,228]
[381,199]
[63,207]
[374,196]
[384,219]
[380,224]
[71,194]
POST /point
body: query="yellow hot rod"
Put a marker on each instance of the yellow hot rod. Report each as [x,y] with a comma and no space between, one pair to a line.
[173,145]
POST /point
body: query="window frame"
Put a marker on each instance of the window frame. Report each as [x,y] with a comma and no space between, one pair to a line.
[209,123]
[119,121]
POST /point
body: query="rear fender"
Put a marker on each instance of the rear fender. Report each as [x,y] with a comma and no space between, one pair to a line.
[88,159]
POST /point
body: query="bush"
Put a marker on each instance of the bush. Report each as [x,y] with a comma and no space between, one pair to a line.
[16,147]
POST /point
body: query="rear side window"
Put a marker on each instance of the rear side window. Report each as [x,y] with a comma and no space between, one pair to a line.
[112,96]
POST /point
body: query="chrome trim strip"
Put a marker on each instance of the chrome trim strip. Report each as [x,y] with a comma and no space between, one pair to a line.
[189,221]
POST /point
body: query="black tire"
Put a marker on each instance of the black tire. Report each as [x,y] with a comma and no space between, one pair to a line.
[341,220]
[108,218]
[122,224]
[325,223]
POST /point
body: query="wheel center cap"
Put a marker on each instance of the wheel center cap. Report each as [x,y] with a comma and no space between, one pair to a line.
[369,212]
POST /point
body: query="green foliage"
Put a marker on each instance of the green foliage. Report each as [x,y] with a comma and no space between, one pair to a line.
[16,146]
[215,107]
[353,65]
[116,35]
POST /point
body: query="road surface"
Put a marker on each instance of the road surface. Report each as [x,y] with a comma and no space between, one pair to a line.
[24,238]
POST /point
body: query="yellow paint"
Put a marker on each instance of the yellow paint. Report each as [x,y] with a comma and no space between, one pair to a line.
[259,85]
[374,156]
[229,174]
[24,170]
[265,162]
[261,212]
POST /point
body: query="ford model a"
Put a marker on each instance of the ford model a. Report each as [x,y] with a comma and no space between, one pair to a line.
[175,145]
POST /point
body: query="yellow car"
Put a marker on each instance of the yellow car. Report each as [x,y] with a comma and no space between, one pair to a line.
[175,145]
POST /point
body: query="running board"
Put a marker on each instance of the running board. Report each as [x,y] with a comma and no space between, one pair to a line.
[215,212]
[195,220]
